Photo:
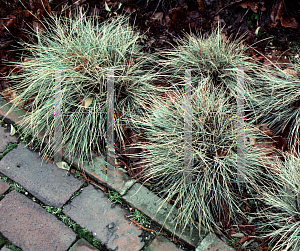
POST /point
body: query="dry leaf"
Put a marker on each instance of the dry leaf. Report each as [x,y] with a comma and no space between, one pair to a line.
[63,165]
[265,129]
[290,72]
[272,59]
[28,59]
[158,16]
[277,12]
[43,5]
[289,22]
[38,27]
[87,102]
[10,96]
[27,13]
[171,96]
[221,152]
[80,67]
[12,130]
[201,5]
[238,235]
[253,5]
[129,61]
[168,21]
[10,23]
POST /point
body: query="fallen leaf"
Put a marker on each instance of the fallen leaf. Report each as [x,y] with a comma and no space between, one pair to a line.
[129,61]
[106,7]
[10,23]
[267,147]
[28,59]
[290,72]
[167,21]
[63,165]
[289,22]
[265,129]
[87,102]
[39,13]
[218,21]
[221,152]
[276,13]
[10,96]
[201,5]
[129,9]
[38,27]
[170,96]
[80,67]
[238,235]
[193,14]
[27,13]
[272,59]
[158,16]
[254,6]
[12,130]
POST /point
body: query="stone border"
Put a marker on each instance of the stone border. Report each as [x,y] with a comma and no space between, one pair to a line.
[132,192]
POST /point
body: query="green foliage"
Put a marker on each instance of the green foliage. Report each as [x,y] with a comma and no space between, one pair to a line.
[251,19]
[52,210]
[280,220]
[140,217]
[114,197]
[214,186]
[17,187]
[8,149]
[82,50]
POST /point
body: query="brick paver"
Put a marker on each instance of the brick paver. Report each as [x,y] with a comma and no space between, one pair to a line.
[82,245]
[46,182]
[161,243]
[92,210]
[28,226]
[3,187]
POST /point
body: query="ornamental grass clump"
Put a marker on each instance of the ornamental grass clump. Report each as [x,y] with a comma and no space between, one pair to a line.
[279,101]
[280,221]
[80,51]
[211,56]
[212,193]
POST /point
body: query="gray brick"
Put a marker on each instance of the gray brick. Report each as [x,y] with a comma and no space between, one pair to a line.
[3,187]
[28,226]
[92,210]
[46,182]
